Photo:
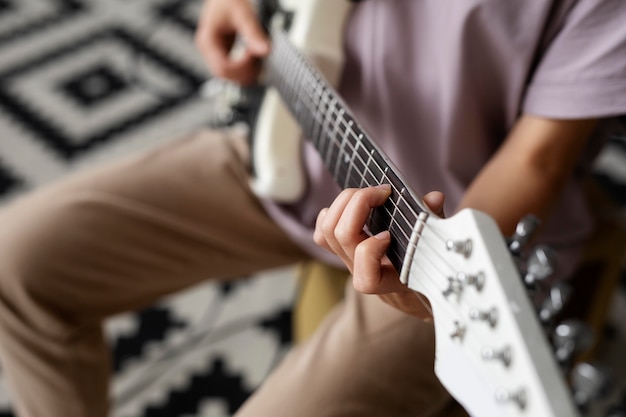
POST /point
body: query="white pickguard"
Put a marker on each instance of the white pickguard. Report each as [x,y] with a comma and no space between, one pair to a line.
[316,30]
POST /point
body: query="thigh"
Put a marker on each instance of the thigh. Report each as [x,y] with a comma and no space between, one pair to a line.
[367,359]
[116,237]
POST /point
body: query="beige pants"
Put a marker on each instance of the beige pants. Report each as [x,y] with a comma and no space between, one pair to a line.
[118,237]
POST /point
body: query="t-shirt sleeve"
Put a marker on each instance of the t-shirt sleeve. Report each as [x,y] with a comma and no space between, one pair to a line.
[582,71]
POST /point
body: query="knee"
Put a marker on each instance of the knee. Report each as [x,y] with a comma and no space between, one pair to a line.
[30,257]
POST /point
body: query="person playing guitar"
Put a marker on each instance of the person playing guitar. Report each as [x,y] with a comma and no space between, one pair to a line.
[490,102]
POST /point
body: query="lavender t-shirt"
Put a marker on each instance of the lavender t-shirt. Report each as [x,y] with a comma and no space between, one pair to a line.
[439,83]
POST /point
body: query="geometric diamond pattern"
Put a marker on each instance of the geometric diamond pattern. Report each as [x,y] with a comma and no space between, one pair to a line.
[94,86]
[35,92]
[20,18]
[7,182]
[6,6]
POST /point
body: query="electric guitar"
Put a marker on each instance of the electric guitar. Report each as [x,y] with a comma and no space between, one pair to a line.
[491,351]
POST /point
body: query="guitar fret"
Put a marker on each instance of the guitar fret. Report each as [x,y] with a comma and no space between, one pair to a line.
[320,108]
[359,167]
[314,99]
[334,136]
[307,119]
[394,211]
[329,122]
[378,222]
[406,211]
[350,159]
[367,169]
[324,125]
[337,163]
[338,159]
[318,103]
[344,166]
[298,92]
[375,169]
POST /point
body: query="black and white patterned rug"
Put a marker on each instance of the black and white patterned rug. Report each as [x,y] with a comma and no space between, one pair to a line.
[84,81]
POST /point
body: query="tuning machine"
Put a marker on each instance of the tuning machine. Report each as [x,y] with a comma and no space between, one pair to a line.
[590,382]
[569,338]
[541,263]
[541,260]
[555,301]
[523,233]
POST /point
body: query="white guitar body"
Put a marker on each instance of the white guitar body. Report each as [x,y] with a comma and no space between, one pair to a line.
[277,144]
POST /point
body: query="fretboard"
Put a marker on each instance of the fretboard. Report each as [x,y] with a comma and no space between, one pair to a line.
[352,158]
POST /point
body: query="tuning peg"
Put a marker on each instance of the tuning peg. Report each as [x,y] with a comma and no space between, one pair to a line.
[590,382]
[523,232]
[540,264]
[553,304]
[569,338]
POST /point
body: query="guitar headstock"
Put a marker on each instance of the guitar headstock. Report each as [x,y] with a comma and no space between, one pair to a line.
[491,351]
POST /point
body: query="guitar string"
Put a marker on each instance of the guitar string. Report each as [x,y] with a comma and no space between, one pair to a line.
[286,87]
[423,268]
[446,305]
[354,149]
[313,113]
[323,122]
[403,242]
[393,219]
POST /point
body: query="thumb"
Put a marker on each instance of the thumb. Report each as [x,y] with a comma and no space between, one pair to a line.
[434,200]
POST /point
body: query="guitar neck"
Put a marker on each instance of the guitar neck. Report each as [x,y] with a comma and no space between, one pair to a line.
[351,157]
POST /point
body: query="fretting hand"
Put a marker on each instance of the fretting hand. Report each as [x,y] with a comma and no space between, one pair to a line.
[339,229]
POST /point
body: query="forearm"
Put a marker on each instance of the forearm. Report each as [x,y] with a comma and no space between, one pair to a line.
[528,173]
[509,191]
